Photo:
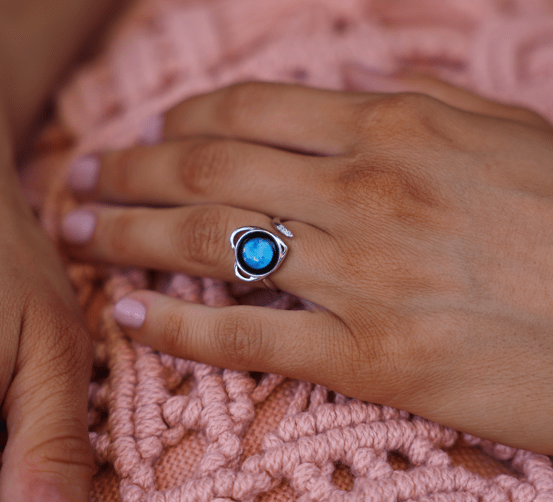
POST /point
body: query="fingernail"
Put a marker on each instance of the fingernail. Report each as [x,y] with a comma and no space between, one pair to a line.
[83,176]
[152,134]
[78,226]
[129,313]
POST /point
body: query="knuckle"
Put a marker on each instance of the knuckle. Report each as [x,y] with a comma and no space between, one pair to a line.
[404,115]
[240,338]
[65,447]
[386,188]
[371,346]
[201,237]
[204,165]
[240,102]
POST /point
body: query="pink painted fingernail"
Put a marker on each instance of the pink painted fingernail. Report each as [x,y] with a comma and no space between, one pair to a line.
[84,173]
[129,313]
[78,226]
[152,134]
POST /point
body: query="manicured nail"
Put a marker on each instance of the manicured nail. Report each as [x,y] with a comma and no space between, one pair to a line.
[129,313]
[152,134]
[83,176]
[78,226]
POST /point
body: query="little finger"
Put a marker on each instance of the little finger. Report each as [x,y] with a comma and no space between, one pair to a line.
[452,95]
[286,116]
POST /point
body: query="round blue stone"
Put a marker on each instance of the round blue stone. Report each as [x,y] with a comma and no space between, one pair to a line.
[257,253]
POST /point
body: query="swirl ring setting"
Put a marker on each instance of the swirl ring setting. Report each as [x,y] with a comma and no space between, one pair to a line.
[258,252]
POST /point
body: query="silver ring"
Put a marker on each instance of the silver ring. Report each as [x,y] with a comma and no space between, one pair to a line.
[258,252]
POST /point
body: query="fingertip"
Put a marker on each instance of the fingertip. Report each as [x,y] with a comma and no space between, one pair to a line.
[132,310]
[77,227]
[152,133]
[84,173]
[129,313]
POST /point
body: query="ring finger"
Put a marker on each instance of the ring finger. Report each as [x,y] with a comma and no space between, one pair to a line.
[193,239]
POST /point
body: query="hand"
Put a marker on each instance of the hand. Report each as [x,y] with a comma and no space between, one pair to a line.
[46,357]
[424,227]
[46,354]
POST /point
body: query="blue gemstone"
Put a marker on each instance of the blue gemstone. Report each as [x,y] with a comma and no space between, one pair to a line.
[257,253]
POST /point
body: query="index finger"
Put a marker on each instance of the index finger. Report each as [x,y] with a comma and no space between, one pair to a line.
[298,344]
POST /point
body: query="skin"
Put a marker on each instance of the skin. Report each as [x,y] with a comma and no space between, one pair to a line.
[45,351]
[423,226]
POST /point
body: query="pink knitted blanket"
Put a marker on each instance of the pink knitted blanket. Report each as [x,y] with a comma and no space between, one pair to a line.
[170,430]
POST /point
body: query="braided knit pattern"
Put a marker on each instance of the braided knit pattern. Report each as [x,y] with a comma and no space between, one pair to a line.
[143,403]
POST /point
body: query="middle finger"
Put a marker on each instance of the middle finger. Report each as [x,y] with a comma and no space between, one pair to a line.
[200,170]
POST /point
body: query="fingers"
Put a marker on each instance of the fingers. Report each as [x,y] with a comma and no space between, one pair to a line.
[48,455]
[252,176]
[292,343]
[447,93]
[291,117]
[313,120]
[197,170]
[193,239]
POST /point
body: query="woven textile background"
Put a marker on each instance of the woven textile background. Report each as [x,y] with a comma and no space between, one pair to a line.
[169,430]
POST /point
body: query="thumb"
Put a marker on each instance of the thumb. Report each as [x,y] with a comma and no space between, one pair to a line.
[48,455]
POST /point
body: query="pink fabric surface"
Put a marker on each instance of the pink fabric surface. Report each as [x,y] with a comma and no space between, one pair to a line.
[143,403]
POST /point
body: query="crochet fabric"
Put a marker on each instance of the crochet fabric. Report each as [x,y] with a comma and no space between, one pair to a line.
[169,430]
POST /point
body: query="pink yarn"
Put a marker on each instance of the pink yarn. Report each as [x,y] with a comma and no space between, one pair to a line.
[164,51]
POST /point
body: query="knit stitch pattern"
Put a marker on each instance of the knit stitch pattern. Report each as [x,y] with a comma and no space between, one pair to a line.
[145,406]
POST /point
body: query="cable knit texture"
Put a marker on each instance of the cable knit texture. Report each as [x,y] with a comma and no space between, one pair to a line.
[169,430]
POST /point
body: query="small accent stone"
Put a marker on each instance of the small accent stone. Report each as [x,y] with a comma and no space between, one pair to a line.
[283,230]
[258,253]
